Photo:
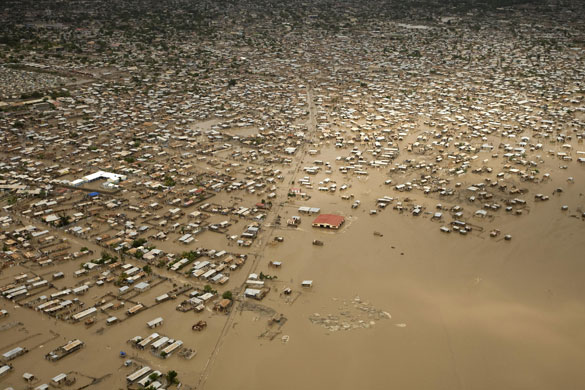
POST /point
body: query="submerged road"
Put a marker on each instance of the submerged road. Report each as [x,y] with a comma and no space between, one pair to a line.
[274,212]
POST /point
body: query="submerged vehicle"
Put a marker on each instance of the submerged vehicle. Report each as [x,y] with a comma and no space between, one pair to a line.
[199,326]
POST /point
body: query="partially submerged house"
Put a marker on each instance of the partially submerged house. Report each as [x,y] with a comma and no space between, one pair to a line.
[329,221]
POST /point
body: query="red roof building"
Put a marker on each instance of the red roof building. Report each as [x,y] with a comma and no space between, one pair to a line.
[329,221]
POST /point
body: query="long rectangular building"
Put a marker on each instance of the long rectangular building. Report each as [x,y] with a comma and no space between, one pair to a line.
[84,313]
[171,348]
[137,374]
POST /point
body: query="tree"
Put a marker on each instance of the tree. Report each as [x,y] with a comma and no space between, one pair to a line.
[191,255]
[169,182]
[138,242]
[172,377]
[64,220]
[207,288]
[147,269]
[227,295]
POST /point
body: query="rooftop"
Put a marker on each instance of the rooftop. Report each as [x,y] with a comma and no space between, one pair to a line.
[332,220]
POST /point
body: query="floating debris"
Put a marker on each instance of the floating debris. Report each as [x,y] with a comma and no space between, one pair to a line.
[352,315]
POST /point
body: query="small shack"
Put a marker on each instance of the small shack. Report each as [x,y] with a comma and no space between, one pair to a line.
[142,286]
[223,305]
[59,379]
[155,323]
[307,283]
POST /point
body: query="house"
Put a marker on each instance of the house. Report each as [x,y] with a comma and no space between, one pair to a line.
[222,305]
[137,374]
[6,368]
[154,323]
[14,353]
[309,210]
[59,379]
[142,286]
[329,221]
[254,293]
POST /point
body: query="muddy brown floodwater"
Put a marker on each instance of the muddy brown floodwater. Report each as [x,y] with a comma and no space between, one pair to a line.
[467,312]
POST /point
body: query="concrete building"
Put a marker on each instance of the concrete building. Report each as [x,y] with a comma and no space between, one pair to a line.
[328,221]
